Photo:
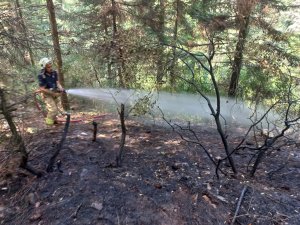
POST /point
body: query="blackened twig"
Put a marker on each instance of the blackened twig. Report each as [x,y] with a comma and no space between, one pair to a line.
[32,170]
[239,204]
[74,215]
[122,119]
[95,130]
[196,141]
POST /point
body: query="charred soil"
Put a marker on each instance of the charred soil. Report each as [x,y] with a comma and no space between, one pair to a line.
[162,179]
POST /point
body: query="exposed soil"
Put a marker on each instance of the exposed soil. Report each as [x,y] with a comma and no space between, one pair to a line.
[162,180]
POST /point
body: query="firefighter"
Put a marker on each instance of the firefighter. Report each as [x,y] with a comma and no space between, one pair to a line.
[50,89]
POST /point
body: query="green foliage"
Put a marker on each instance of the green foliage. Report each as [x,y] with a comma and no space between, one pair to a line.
[143,105]
[100,52]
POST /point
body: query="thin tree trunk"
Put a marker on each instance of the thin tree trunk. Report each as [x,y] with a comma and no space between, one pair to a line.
[57,50]
[216,114]
[160,35]
[22,23]
[17,139]
[109,60]
[120,60]
[238,57]
[119,158]
[244,9]
[174,60]
[95,129]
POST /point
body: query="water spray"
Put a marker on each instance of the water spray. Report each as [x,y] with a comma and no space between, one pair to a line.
[183,106]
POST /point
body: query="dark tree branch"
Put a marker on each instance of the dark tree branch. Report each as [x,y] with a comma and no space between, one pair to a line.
[197,142]
[60,145]
[239,205]
[270,141]
[94,130]
[215,113]
[123,136]
[252,126]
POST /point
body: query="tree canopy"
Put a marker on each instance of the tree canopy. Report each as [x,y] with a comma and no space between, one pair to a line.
[128,44]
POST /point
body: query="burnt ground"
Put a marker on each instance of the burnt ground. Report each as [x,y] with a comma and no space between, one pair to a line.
[162,180]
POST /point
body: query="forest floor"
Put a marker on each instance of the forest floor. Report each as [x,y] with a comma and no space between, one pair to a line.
[163,180]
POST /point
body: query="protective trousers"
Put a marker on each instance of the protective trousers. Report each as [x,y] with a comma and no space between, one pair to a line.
[53,105]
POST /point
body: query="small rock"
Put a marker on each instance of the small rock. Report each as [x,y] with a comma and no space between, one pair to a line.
[83,173]
[36,216]
[31,198]
[221,198]
[97,205]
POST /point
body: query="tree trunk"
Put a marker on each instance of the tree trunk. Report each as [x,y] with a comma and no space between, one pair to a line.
[117,48]
[57,50]
[238,57]
[123,136]
[160,35]
[24,29]
[244,9]
[17,138]
[174,60]
[109,59]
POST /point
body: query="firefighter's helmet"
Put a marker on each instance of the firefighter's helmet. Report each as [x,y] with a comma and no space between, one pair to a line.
[44,62]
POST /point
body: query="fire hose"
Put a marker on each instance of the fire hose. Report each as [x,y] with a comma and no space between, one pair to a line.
[40,105]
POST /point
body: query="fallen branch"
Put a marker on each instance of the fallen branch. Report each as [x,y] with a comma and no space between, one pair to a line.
[239,205]
[32,170]
[59,146]
[74,215]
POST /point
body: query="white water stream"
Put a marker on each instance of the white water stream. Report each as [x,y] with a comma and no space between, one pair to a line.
[174,106]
